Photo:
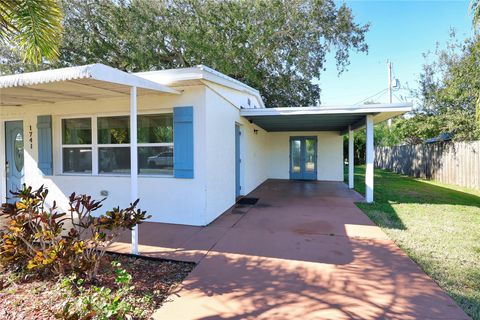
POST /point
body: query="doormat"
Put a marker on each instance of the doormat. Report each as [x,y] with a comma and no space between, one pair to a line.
[247,201]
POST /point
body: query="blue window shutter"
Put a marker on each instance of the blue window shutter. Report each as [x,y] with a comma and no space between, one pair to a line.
[183,142]
[45,156]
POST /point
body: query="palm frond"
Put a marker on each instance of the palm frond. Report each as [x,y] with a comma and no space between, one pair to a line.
[32,25]
[6,26]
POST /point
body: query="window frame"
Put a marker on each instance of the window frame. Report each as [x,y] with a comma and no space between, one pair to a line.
[110,145]
[96,146]
[79,146]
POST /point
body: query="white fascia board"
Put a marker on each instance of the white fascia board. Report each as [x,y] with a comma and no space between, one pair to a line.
[108,74]
[170,76]
[221,78]
[97,72]
[200,72]
[257,96]
[377,118]
[242,88]
[372,108]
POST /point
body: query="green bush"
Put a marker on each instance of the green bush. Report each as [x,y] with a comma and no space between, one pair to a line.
[98,302]
[35,238]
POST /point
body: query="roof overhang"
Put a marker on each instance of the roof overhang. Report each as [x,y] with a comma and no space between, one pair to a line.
[323,118]
[89,82]
[199,75]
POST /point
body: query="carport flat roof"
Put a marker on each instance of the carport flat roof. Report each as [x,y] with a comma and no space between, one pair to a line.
[323,118]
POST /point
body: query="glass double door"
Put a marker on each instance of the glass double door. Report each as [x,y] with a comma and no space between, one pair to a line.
[303,158]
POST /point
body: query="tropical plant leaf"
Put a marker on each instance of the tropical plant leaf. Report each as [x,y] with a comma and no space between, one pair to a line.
[35,26]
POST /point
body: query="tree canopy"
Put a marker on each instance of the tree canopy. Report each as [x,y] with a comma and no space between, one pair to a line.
[475,8]
[276,46]
[448,95]
[447,100]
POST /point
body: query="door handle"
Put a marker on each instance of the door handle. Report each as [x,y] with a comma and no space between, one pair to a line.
[7,167]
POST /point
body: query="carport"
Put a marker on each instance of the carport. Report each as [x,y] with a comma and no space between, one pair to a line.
[344,119]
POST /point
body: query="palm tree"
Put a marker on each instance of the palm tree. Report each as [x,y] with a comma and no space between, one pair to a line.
[32,25]
[475,8]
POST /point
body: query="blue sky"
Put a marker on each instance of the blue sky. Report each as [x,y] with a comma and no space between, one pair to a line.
[400,31]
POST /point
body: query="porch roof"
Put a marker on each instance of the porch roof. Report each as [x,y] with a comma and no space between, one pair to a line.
[323,118]
[89,82]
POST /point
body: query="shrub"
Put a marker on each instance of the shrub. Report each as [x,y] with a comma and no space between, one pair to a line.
[98,302]
[34,237]
[94,235]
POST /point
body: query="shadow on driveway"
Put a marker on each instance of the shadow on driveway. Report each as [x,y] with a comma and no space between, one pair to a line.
[304,251]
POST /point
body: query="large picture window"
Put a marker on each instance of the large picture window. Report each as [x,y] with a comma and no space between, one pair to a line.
[77,145]
[109,147]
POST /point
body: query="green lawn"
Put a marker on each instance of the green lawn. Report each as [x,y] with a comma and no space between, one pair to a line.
[437,225]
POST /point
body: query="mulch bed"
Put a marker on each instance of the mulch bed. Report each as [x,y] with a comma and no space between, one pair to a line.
[36,298]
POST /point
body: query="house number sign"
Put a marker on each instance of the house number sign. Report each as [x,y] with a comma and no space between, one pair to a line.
[30,137]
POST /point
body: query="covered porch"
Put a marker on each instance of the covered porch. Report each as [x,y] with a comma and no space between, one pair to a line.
[31,100]
[341,119]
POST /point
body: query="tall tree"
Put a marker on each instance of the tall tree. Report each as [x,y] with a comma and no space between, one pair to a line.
[448,95]
[275,46]
[32,26]
[475,8]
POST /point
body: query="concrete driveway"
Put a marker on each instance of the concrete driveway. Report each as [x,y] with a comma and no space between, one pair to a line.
[303,251]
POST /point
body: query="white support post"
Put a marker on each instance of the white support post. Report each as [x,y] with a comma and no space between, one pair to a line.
[350,157]
[369,155]
[133,161]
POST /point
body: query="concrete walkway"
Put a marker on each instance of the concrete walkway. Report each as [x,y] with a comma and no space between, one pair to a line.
[303,251]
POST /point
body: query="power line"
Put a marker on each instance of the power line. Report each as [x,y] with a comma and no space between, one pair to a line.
[372,96]
[399,98]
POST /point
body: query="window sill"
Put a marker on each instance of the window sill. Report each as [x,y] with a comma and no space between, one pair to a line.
[103,175]
[155,176]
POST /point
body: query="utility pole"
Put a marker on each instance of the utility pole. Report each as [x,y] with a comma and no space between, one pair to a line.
[390,93]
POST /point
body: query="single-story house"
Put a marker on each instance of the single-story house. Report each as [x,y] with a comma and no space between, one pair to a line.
[187,142]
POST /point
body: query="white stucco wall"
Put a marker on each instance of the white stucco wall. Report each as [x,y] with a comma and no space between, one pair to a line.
[221,117]
[220,155]
[195,201]
[254,150]
[329,154]
[167,199]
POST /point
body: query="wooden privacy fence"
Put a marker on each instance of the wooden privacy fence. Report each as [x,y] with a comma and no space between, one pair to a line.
[448,162]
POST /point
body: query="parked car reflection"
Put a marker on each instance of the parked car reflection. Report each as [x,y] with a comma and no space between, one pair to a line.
[161,160]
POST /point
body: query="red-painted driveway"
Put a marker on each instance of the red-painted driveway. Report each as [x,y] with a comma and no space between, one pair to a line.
[304,251]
